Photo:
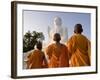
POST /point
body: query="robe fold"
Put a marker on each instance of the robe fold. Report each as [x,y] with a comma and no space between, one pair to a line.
[79,49]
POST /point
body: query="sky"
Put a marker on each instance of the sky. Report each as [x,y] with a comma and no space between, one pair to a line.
[40,20]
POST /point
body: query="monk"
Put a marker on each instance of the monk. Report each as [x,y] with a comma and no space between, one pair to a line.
[79,48]
[57,53]
[37,58]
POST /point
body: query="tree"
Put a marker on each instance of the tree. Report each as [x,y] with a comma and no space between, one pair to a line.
[30,39]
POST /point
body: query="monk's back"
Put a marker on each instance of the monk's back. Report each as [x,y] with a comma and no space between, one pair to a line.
[78,48]
[58,53]
[81,41]
[37,59]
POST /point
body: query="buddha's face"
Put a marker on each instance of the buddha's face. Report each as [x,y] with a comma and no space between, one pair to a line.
[57,21]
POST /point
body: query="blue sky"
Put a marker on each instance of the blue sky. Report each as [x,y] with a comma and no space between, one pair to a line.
[40,20]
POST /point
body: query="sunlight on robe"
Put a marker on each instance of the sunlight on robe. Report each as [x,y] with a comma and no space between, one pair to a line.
[57,55]
[79,50]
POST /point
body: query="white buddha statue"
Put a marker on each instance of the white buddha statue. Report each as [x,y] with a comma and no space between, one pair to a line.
[58,28]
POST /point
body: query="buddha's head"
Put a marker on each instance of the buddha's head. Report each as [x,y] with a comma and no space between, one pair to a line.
[57,21]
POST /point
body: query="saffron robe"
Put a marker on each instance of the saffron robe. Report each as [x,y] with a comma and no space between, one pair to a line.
[58,55]
[36,59]
[79,49]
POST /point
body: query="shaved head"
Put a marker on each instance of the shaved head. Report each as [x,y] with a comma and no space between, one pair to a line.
[57,37]
[78,28]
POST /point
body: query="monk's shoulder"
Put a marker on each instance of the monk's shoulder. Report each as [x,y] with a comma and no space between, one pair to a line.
[29,55]
[34,52]
[63,45]
[38,52]
[84,36]
[73,37]
[51,45]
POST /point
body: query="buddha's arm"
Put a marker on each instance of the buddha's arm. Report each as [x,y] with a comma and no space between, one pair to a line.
[65,35]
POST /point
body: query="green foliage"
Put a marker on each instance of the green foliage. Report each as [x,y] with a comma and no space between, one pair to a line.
[30,39]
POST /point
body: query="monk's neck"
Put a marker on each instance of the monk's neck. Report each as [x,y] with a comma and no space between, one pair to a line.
[78,33]
[39,49]
[57,42]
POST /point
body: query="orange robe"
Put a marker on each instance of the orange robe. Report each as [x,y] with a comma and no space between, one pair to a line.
[79,50]
[58,55]
[36,59]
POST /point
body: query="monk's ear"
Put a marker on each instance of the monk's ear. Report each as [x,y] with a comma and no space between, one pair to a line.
[54,39]
[74,31]
[60,39]
[82,30]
